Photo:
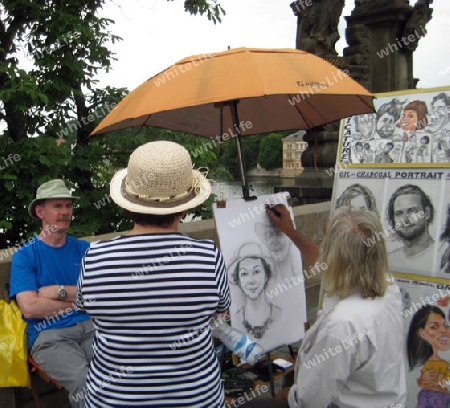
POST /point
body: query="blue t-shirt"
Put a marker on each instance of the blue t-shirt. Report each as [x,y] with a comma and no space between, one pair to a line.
[37,264]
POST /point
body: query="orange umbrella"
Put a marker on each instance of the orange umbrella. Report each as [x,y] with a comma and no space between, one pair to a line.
[240,92]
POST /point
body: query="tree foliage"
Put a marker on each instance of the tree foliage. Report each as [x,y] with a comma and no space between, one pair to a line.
[229,156]
[271,151]
[212,9]
[53,97]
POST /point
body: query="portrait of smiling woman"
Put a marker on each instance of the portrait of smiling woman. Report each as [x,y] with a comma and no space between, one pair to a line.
[251,272]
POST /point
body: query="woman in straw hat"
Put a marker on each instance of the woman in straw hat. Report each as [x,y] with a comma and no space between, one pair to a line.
[152,293]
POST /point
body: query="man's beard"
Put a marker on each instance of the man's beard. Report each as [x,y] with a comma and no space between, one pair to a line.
[410,232]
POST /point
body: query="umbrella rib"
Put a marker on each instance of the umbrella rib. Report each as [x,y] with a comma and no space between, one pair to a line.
[304,117]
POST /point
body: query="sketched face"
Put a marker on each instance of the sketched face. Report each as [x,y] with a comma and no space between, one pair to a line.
[277,242]
[409,224]
[385,125]
[436,333]
[252,277]
[388,148]
[439,109]
[359,202]
[365,125]
[408,121]
[406,299]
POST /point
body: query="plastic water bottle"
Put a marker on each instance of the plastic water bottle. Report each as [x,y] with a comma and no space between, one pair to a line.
[236,341]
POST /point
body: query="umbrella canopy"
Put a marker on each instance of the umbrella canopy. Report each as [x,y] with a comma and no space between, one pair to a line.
[276,89]
[240,92]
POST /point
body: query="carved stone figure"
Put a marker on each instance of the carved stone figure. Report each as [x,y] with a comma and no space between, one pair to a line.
[317,30]
[421,15]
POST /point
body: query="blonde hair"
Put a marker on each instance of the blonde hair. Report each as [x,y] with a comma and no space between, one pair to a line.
[355,254]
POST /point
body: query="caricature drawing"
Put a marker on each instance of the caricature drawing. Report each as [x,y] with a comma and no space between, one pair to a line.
[369,154]
[384,155]
[387,115]
[423,149]
[440,113]
[445,247]
[427,335]
[358,153]
[413,118]
[364,125]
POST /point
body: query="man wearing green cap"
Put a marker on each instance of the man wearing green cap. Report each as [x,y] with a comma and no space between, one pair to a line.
[44,274]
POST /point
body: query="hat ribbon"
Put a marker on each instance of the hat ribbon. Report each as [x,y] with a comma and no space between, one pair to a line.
[194,188]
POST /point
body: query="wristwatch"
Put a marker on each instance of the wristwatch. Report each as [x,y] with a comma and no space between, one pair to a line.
[62,292]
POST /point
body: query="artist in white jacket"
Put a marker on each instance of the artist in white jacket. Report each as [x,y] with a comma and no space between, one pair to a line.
[354,355]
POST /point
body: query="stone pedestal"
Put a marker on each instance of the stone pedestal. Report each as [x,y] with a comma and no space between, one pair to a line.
[382,36]
[322,146]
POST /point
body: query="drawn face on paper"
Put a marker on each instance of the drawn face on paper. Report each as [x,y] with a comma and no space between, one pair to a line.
[277,242]
[359,202]
[252,277]
[436,333]
[410,218]
[388,147]
[439,110]
[365,125]
[385,125]
[408,121]
[406,298]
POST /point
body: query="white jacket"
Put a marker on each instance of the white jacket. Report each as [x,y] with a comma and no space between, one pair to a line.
[354,356]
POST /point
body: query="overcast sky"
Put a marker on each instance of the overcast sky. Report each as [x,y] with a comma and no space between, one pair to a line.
[158,33]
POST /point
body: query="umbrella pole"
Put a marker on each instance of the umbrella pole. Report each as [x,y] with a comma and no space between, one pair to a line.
[244,182]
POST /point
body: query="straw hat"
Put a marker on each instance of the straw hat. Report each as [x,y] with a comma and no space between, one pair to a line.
[52,189]
[159,180]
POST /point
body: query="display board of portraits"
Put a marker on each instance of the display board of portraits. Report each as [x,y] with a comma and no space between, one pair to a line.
[264,269]
[409,128]
[414,208]
[396,162]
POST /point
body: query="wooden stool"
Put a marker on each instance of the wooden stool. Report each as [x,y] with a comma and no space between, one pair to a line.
[36,368]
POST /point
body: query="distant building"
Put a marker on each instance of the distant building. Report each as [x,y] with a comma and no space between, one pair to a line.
[293,147]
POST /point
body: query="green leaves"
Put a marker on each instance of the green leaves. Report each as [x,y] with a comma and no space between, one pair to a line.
[212,9]
[271,151]
[53,96]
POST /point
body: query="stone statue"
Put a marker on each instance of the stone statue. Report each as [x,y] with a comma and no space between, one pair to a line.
[317,30]
[421,15]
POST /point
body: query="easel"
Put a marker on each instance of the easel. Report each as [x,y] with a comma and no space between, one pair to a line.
[268,374]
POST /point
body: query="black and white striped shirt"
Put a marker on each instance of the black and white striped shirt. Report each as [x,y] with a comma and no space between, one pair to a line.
[151,298]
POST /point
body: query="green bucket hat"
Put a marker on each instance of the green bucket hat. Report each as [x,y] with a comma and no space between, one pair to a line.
[50,190]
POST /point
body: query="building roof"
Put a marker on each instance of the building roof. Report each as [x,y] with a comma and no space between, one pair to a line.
[295,136]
